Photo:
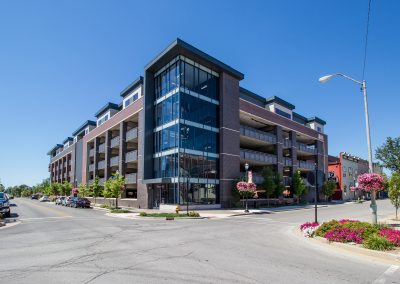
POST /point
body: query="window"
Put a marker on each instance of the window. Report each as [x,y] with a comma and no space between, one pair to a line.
[101,120]
[319,129]
[283,113]
[131,99]
[86,131]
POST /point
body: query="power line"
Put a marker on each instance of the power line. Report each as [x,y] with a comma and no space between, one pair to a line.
[366,40]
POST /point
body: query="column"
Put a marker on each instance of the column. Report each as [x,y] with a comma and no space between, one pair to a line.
[144,192]
[279,149]
[96,157]
[122,148]
[107,169]
[293,150]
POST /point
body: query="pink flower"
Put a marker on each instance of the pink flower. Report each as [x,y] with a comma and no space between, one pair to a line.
[309,225]
[342,221]
[75,190]
[370,182]
[246,187]
[391,235]
[345,235]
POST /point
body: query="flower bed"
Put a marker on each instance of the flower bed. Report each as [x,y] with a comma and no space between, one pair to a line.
[376,237]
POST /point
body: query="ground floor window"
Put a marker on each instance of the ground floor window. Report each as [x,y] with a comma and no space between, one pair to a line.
[174,193]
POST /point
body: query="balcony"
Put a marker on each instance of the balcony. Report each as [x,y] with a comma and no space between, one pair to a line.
[287,143]
[287,162]
[65,175]
[114,142]
[102,148]
[287,181]
[102,180]
[131,156]
[114,161]
[91,167]
[101,165]
[131,178]
[306,149]
[306,165]
[132,134]
[91,152]
[253,133]
[258,157]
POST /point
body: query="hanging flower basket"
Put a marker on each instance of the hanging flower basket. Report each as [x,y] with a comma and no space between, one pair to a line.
[242,186]
[75,190]
[370,182]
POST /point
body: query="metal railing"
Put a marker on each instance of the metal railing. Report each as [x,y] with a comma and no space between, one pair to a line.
[247,154]
[114,161]
[114,142]
[131,156]
[287,143]
[131,178]
[91,152]
[257,134]
[91,167]
[287,162]
[305,148]
[102,180]
[102,148]
[101,165]
[132,134]
[287,181]
[306,165]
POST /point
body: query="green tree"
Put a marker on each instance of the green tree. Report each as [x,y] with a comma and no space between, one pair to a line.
[328,188]
[83,190]
[298,186]
[113,187]
[394,191]
[389,154]
[269,182]
[2,188]
[96,188]
[66,188]
[279,186]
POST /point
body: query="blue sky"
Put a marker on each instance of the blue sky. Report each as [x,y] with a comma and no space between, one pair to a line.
[60,61]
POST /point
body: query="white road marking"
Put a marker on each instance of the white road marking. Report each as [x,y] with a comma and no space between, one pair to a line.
[44,218]
[382,279]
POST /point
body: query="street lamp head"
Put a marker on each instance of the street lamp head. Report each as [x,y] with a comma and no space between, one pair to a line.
[325,79]
[246,166]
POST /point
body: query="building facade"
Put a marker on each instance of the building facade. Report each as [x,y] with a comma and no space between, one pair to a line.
[345,170]
[183,132]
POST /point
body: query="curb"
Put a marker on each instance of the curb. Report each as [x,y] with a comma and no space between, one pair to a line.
[347,248]
[10,225]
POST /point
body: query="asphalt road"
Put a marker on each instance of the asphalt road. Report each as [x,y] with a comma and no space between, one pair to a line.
[54,244]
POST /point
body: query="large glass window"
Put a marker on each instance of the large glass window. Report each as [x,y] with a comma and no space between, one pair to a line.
[198,166]
[167,81]
[166,166]
[167,110]
[197,110]
[194,138]
[199,193]
[166,139]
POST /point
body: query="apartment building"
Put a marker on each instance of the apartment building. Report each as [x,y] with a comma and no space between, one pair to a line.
[183,132]
[344,170]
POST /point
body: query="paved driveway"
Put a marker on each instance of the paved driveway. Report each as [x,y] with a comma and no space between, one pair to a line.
[55,244]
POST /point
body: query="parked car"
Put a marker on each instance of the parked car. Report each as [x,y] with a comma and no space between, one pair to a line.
[67,201]
[44,198]
[80,202]
[4,205]
[35,196]
[59,200]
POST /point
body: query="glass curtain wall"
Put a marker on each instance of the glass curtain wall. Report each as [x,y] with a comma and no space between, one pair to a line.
[186,131]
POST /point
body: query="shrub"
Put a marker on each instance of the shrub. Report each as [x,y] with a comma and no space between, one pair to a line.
[120,211]
[308,225]
[391,235]
[376,242]
[143,214]
[368,229]
[327,226]
[105,206]
[194,214]
[345,235]
[343,221]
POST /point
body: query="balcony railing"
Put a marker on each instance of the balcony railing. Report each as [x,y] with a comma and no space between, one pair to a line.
[306,165]
[257,134]
[287,181]
[287,162]
[102,180]
[287,143]
[101,165]
[114,161]
[131,156]
[65,175]
[115,142]
[91,152]
[305,148]
[132,134]
[131,178]
[91,167]
[246,154]
[102,148]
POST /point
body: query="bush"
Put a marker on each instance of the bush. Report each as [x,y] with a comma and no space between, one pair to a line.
[143,214]
[105,206]
[327,226]
[194,214]
[120,211]
[391,235]
[345,235]
[376,242]
[368,229]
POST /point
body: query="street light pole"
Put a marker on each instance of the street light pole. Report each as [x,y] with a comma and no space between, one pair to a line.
[363,85]
[246,167]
